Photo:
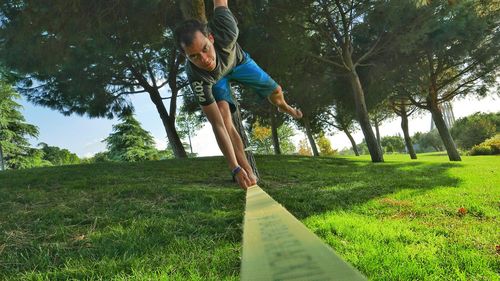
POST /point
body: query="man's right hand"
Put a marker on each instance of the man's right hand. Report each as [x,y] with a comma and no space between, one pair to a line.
[243,179]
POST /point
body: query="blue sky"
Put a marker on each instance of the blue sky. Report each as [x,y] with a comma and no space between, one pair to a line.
[83,136]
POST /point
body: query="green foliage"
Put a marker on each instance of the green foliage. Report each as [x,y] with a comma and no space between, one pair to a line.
[490,146]
[261,139]
[100,157]
[481,150]
[363,147]
[86,59]
[430,141]
[188,124]
[494,143]
[325,146]
[58,156]
[14,132]
[169,154]
[30,159]
[285,134]
[392,144]
[129,142]
[304,148]
[474,129]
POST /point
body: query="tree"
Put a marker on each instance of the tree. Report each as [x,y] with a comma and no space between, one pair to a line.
[262,139]
[339,26]
[58,156]
[129,142]
[14,131]
[393,144]
[341,119]
[403,108]
[378,114]
[325,146]
[453,53]
[430,140]
[474,129]
[304,148]
[188,124]
[120,49]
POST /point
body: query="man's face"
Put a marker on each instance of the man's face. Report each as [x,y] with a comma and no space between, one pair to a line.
[201,52]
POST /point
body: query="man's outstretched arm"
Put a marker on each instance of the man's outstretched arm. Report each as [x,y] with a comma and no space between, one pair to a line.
[220,3]
[223,140]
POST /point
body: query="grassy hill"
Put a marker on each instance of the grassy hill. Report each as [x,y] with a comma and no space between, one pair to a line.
[182,219]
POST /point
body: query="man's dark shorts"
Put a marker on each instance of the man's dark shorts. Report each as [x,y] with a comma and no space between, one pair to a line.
[250,75]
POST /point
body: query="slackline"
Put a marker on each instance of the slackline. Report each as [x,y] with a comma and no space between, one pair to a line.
[277,246]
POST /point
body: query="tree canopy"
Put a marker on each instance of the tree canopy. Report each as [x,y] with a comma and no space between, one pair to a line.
[129,142]
[14,132]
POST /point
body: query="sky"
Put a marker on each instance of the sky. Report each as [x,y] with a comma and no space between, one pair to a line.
[84,136]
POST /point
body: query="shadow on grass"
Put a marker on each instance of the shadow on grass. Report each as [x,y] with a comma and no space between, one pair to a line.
[98,222]
[310,186]
[180,219]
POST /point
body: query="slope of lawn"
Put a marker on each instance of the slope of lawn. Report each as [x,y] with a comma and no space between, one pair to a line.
[428,219]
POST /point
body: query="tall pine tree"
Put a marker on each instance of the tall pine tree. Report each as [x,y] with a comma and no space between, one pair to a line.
[129,142]
[15,152]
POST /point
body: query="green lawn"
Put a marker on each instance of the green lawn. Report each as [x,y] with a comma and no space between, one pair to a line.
[182,219]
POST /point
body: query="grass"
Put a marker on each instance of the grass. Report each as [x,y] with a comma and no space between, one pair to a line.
[181,219]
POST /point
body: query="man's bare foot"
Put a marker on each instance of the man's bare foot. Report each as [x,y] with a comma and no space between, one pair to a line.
[294,112]
[298,113]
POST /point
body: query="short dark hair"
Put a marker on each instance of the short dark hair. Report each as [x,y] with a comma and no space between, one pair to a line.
[184,32]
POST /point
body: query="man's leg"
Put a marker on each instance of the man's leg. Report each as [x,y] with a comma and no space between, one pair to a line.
[236,140]
[251,75]
[277,98]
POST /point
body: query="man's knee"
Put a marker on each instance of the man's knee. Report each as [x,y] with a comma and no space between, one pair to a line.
[278,91]
[277,97]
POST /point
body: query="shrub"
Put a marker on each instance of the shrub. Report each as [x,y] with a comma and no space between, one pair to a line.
[481,150]
[488,147]
[392,144]
[474,129]
[494,143]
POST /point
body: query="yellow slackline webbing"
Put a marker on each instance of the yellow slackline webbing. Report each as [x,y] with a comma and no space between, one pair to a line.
[277,246]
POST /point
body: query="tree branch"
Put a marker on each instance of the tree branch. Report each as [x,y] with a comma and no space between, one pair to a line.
[347,41]
[331,23]
[368,53]
[327,60]
[419,104]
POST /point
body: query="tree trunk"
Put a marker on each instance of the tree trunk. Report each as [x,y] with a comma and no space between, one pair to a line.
[193,9]
[363,119]
[449,144]
[274,130]
[2,165]
[377,131]
[310,136]
[406,133]
[169,124]
[353,143]
[238,124]
[190,144]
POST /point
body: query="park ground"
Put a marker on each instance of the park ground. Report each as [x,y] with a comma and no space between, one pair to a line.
[425,219]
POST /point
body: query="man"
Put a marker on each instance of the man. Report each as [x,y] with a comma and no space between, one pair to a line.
[215,59]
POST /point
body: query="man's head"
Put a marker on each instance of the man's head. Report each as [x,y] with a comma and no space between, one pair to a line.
[197,43]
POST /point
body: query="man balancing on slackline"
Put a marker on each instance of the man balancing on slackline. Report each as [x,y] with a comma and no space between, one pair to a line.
[215,59]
